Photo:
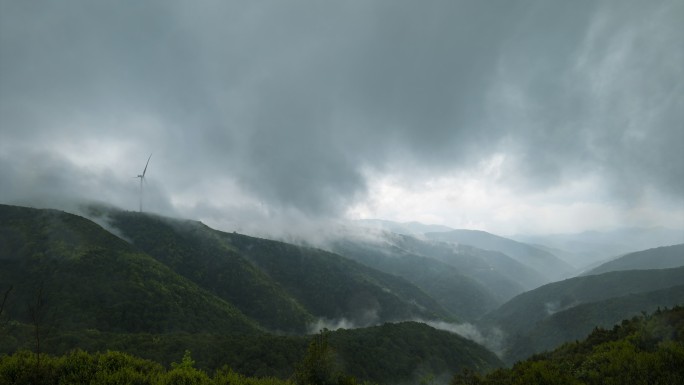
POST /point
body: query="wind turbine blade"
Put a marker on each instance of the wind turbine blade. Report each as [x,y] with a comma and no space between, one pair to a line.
[148,162]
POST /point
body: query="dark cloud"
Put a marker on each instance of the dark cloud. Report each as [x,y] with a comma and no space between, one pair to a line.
[293,102]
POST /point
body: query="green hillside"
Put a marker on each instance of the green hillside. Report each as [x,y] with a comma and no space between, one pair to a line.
[336,287]
[657,258]
[407,350]
[282,286]
[643,350]
[578,321]
[386,354]
[69,273]
[522,313]
[201,255]
[461,295]
[74,285]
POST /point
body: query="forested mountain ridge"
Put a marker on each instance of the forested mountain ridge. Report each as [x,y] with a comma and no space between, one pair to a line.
[192,250]
[576,322]
[74,274]
[491,268]
[561,311]
[520,314]
[644,350]
[97,291]
[162,285]
[283,286]
[466,280]
[461,295]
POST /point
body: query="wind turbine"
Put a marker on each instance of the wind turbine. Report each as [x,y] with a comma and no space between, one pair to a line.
[142,177]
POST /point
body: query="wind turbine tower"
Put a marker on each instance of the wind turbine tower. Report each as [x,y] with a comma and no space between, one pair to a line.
[142,177]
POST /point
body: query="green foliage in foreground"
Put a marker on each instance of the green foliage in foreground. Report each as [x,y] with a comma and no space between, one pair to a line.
[390,353]
[79,367]
[643,350]
[318,367]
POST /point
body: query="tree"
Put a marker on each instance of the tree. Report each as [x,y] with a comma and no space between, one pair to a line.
[42,323]
[4,317]
[185,373]
[3,314]
[319,366]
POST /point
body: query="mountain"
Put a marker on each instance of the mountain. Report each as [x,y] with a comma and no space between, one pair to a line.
[657,258]
[578,321]
[642,350]
[395,350]
[593,246]
[550,266]
[461,295]
[465,280]
[521,315]
[501,273]
[201,255]
[283,286]
[66,271]
[162,286]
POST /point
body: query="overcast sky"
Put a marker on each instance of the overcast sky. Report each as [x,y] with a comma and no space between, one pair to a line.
[512,116]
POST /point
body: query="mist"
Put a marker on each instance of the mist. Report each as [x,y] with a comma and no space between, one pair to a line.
[511,117]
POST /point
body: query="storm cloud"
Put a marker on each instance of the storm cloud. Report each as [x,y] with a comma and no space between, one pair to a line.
[260,107]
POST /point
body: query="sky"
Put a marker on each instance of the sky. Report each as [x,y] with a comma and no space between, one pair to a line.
[523,116]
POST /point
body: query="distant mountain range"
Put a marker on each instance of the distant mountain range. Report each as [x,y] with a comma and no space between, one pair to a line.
[155,286]
[580,250]
[162,285]
[547,264]
[465,280]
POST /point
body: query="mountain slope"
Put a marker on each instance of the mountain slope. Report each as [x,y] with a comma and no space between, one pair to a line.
[283,286]
[97,291]
[547,264]
[408,350]
[501,273]
[336,287]
[461,295]
[522,313]
[465,280]
[196,252]
[643,350]
[657,258]
[72,274]
[578,321]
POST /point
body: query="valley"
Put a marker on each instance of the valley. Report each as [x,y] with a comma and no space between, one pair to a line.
[394,307]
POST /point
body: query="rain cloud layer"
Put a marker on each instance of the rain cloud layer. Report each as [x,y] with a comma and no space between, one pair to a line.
[508,116]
